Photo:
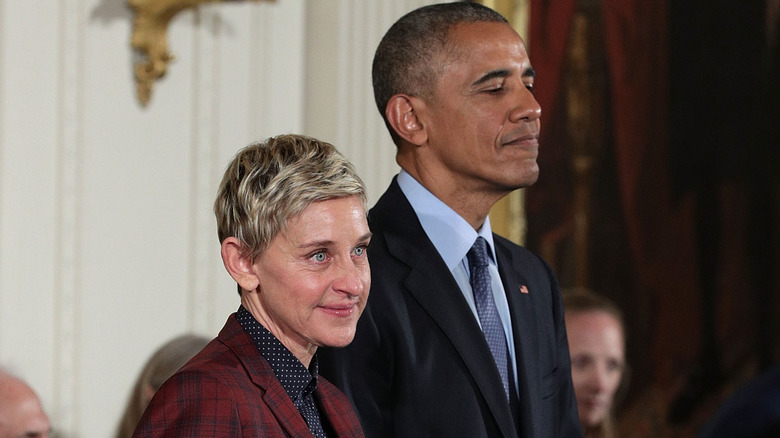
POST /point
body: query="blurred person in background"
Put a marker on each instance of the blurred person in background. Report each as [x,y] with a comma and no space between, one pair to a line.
[751,411]
[161,365]
[21,412]
[598,358]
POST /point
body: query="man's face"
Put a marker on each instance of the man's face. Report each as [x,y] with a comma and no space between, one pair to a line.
[482,119]
[315,277]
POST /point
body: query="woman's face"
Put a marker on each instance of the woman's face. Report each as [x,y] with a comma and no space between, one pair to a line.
[597,353]
[314,277]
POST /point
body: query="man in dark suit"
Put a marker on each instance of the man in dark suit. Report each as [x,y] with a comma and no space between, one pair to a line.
[292,224]
[456,342]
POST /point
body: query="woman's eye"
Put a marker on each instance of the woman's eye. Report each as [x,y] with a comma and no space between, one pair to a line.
[580,362]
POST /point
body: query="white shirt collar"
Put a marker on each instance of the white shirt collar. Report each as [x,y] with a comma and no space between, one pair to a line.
[452,235]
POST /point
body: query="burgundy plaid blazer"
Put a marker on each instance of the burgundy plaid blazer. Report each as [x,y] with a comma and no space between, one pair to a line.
[229,390]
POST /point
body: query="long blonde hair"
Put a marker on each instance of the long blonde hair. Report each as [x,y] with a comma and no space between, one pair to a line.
[164,362]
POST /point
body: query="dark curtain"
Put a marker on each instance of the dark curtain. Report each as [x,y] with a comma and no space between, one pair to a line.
[659,229]
[547,203]
[684,218]
[723,149]
[651,230]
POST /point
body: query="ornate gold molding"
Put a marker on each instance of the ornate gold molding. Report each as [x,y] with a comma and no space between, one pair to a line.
[150,27]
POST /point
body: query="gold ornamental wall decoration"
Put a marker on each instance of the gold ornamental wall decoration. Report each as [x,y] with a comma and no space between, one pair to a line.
[150,27]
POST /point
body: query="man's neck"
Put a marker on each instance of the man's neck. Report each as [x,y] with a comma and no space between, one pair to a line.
[472,206]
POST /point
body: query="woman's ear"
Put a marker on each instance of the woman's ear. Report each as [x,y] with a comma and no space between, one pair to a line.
[403,114]
[239,265]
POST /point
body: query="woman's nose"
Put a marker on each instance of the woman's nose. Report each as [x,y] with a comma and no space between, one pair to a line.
[599,379]
[350,277]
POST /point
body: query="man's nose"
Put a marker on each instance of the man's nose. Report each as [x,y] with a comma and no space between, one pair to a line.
[526,107]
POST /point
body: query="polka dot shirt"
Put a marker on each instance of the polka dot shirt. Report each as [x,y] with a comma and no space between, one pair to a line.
[299,382]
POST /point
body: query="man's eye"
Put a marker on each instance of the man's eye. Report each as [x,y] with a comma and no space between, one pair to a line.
[320,256]
[360,250]
[530,87]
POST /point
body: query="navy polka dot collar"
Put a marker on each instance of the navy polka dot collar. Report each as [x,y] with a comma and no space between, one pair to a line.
[296,380]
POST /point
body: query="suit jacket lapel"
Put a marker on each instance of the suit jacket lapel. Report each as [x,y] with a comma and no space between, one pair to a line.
[331,412]
[524,330]
[274,396]
[433,286]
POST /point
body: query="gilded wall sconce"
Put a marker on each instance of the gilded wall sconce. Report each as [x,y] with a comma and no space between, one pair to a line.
[150,26]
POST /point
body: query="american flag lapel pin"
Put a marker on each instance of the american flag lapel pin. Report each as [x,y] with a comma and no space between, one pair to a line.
[523,289]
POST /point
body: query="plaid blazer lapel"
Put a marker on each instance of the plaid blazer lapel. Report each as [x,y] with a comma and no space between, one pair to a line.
[262,375]
[337,410]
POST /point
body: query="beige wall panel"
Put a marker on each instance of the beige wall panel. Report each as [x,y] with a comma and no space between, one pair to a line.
[108,245]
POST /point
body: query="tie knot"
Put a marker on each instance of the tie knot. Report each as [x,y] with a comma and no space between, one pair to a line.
[478,255]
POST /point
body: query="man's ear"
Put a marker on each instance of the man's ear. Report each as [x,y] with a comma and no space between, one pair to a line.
[403,115]
[238,265]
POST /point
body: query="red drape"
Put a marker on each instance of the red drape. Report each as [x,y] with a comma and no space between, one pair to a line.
[548,39]
[660,230]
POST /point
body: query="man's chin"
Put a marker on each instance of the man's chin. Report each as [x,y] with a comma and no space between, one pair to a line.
[521,182]
[528,179]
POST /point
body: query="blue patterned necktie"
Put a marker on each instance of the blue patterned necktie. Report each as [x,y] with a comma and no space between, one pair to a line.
[486,308]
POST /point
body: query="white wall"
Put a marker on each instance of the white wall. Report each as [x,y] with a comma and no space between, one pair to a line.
[108,246]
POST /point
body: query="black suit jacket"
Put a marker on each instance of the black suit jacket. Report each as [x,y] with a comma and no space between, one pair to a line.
[419,365]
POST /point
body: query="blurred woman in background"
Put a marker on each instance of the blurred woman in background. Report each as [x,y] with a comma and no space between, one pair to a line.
[594,325]
[163,363]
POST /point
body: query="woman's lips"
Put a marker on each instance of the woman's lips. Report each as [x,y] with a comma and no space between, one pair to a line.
[340,310]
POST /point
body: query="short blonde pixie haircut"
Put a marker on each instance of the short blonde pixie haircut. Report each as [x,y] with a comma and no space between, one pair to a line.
[268,183]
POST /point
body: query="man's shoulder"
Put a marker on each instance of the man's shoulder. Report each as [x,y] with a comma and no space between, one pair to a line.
[505,245]
[393,215]
[516,258]
[392,201]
